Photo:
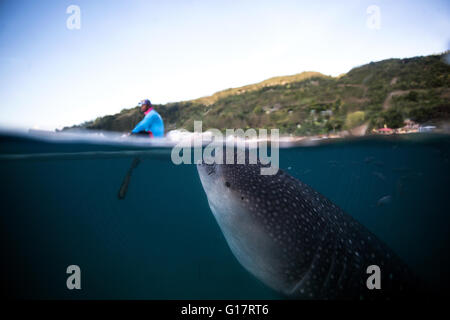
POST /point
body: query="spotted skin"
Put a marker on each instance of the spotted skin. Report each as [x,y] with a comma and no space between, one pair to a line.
[295,240]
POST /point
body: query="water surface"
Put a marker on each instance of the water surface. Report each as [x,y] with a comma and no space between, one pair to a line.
[60,206]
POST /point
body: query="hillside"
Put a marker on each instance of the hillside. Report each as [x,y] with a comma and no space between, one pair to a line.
[378,93]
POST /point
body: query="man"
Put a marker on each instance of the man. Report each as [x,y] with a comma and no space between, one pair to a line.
[152,124]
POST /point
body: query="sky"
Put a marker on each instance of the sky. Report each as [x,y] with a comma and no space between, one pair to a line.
[54,74]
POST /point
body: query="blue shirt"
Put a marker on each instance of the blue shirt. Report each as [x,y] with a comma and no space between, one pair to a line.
[152,122]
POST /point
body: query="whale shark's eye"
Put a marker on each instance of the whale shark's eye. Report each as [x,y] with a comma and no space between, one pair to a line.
[227,184]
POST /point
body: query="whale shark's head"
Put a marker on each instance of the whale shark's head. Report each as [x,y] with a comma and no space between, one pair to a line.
[227,186]
[215,183]
[236,181]
[254,212]
[236,191]
[228,189]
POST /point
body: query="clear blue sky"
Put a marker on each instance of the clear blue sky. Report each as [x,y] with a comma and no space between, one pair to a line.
[168,51]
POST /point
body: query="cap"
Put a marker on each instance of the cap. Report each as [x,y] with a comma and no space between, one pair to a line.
[145,102]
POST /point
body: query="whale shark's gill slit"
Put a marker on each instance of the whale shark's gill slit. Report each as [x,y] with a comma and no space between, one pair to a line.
[342,276]
[319,260]
[296,288]
[331,269]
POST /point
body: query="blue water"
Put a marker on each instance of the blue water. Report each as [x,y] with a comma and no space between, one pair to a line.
[59,207]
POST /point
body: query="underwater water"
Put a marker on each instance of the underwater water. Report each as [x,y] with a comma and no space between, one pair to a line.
[60,206]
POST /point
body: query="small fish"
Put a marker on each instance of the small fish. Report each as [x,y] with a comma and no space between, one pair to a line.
[384,200]
[379,175]
[411,176]
[369,159]
[400,187]
[379,163]
[333,162]
[401,169]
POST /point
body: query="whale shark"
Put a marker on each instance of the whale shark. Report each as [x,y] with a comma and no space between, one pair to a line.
[295,240]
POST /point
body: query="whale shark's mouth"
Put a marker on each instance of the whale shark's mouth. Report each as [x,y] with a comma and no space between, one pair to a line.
[211,170]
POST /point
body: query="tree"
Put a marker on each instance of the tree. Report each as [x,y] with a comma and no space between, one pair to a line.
[412,96]
[258,110]
[393,118]
[334,124]
[354,119]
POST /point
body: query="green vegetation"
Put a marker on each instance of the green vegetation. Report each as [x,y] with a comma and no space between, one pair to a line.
[354,119]
[385,92]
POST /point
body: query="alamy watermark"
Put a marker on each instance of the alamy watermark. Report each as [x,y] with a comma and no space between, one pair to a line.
[255,144]
[74,280]
[73,22]
[374,280]
[373,21]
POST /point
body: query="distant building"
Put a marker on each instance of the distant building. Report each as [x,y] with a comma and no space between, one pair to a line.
[409,127]
[385,131]
[269,109]
[326,113]
[427,128]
